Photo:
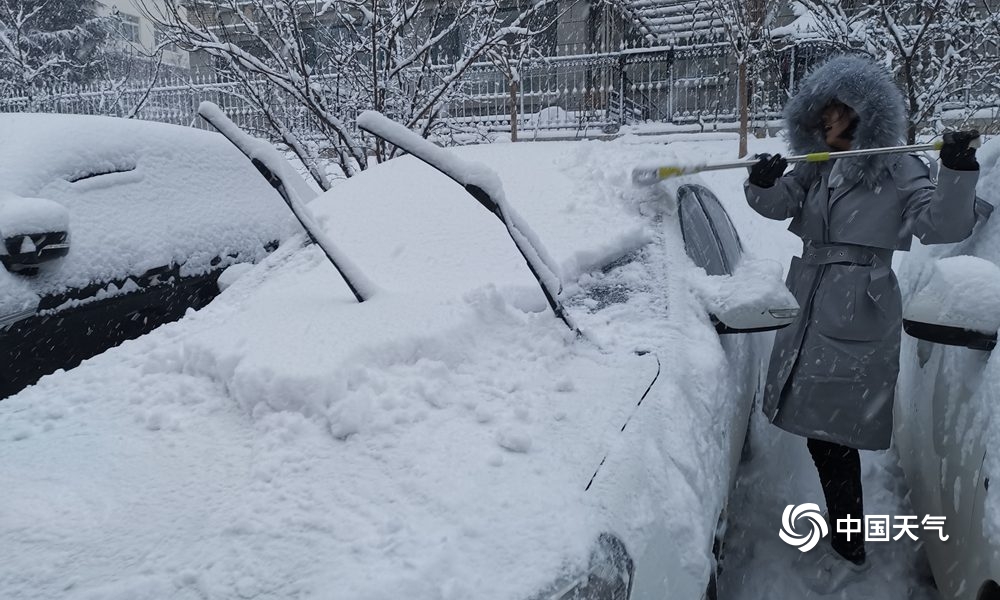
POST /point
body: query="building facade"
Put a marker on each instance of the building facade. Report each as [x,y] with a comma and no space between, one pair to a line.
[136,33]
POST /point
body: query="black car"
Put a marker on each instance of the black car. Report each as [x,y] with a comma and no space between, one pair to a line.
[111,227]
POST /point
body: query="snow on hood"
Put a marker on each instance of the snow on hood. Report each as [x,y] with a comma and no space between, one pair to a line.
[433,442]
[139,195]
[865,86]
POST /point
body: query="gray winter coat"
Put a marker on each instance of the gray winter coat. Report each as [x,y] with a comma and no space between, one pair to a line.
[833,372]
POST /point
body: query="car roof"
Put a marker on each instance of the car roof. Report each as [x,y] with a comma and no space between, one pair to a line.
[140,195]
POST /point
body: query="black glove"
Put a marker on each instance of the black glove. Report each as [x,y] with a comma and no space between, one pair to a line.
[956,154]
[767,170]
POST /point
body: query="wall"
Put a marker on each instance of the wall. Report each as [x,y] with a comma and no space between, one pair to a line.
[146,33]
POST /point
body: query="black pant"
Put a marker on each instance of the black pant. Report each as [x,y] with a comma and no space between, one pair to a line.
[839,470]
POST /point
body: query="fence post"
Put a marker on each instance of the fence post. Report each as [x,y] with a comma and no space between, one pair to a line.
[791,71]
[621,89]
[670,83]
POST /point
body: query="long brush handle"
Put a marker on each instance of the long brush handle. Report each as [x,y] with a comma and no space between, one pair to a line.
[652,175]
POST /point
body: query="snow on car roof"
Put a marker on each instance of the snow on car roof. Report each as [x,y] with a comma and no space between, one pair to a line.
[140,195]
[432,442]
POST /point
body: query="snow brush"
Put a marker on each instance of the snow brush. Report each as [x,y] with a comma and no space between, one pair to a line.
[646,176]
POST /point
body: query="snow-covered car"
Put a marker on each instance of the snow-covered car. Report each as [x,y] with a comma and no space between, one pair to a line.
[111,227]
[447,437]
[946,413]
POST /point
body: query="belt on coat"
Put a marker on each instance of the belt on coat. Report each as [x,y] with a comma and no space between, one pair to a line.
[846,253]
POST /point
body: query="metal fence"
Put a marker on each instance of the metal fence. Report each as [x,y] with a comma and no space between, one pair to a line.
[578,94]
[601,92]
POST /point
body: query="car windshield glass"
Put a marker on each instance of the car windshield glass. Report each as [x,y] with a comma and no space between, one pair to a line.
[700,239]
[723,226]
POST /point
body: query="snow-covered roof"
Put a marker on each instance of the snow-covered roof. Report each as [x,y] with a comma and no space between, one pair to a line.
[673,21]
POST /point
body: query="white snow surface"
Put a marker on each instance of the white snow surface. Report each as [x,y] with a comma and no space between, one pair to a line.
[23,216]
[755,282]
[962,291]
[139,195]
[433,442]
[476,174]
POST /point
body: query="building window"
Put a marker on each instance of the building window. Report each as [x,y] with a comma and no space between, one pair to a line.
[129,27]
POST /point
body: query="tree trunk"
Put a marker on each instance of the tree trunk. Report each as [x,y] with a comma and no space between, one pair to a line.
[912,101]
[376,88]
[744,103]
[515,87]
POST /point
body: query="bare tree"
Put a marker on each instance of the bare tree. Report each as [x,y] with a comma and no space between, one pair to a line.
[746,26]
[48,43]
[939,50]
[322,61]
[510,56]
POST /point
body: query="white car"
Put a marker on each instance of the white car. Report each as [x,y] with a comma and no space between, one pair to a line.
[112,227]
[446,438]
[947,428]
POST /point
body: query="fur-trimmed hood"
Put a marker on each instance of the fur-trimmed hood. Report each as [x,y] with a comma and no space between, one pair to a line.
[866,87]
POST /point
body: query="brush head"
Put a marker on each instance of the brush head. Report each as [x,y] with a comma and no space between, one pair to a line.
[647,176]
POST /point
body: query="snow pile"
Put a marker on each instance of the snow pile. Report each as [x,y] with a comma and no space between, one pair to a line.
[755,283]
[548,117]
[25,216]
[139,195]
[473,175]
[962,292]
[409,464]
[232,273]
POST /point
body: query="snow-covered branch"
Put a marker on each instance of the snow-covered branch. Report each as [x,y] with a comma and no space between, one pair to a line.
[327,60]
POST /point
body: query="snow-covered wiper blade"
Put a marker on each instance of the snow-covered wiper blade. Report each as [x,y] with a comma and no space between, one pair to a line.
[485,186]
[267,160]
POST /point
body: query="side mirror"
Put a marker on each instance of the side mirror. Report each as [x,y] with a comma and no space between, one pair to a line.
[751,318]
[958,305]
[752,299]
[33,231]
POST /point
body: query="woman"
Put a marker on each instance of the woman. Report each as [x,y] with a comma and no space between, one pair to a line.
[833,372]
